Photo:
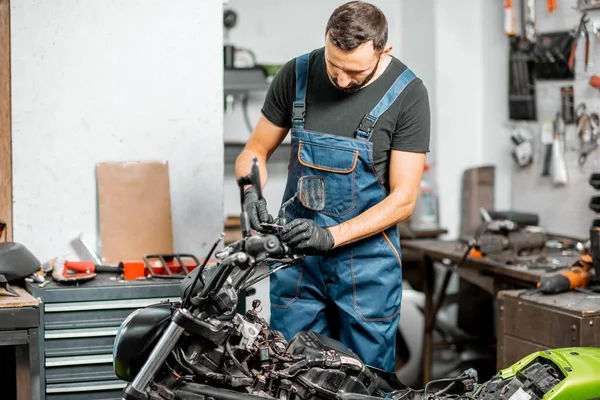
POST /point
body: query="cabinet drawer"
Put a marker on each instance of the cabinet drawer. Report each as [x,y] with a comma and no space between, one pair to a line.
[102,390]
[80,373]
[541,326]
[514,349]
[85,319]
[80,346]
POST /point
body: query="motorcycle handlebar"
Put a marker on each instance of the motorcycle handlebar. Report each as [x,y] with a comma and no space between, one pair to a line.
[269,245]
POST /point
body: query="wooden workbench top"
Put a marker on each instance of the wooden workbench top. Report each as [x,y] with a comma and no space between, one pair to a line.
[7,300]
[454,250]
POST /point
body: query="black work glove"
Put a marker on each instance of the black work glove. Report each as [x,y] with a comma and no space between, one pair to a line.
[257,210]
[305,236]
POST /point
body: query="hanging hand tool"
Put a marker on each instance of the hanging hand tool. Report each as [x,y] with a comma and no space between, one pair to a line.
[584,153]
[582,28]
[588,127]
[509,18]
[558,164]
[528,19]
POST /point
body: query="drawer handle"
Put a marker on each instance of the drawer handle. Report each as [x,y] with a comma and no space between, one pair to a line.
[80,333]
[103,305]
[87,388]
[78,360]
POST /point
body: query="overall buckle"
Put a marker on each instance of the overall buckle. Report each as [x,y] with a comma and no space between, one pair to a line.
[367,124]
[298,111]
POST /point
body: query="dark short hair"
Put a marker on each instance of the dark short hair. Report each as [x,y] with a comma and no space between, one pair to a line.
[355,23]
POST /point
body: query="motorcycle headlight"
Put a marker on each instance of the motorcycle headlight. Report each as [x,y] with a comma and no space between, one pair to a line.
[119,336]
[136,338]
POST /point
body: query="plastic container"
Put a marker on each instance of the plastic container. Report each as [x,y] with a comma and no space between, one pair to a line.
[426,213]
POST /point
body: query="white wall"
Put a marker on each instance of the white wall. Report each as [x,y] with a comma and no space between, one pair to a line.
[496,143]
[278,31]
[471,55]
[114,80]
[417,42]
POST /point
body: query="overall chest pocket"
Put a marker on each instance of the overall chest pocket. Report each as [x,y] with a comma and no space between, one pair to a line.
[337,167]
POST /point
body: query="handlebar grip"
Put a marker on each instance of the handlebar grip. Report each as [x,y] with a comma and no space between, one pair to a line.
[268,244]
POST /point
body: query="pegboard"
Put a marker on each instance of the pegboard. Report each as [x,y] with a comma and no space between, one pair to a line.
[561,209]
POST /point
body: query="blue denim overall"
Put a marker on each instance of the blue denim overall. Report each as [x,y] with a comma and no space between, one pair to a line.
[353,293]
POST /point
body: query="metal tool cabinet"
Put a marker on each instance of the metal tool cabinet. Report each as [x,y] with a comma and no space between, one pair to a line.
[542,322]
[78,325]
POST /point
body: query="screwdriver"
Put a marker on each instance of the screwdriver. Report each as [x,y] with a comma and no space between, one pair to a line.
[577,277]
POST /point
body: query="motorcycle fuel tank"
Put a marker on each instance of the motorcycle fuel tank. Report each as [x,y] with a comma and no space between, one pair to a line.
[136,338]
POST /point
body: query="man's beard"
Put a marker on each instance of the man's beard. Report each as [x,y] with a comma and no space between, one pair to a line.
[355,87]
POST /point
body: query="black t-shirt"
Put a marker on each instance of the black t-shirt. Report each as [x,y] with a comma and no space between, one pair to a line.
[404,126]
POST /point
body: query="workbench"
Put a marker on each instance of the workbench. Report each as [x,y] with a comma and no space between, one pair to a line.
[19,323]
[491,276]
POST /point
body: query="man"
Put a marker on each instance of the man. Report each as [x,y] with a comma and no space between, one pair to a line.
[360,119]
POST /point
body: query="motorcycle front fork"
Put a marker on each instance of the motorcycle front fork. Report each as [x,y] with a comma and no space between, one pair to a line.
[136,390]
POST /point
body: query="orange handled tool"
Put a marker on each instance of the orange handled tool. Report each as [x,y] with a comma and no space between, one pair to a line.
[577,277]
[131,270]
[91,267]
[81,271]
[551,5]
[581,29]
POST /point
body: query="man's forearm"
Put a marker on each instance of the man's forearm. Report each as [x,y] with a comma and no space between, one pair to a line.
[390,211]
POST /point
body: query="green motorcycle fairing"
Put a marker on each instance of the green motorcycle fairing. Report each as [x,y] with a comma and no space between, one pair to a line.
[557,374]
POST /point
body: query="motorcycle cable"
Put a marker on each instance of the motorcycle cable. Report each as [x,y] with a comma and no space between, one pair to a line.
[449,380]
[237,362]
[271,272]
[201,270]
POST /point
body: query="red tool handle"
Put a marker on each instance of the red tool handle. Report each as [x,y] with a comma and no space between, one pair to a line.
[82,266]
[587,53]
[572,56]
[91,267]
[595,81]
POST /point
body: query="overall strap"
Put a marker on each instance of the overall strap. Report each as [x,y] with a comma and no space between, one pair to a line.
[299,107]
[365,129]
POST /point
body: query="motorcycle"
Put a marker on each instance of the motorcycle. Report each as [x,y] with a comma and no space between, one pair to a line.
[200,348]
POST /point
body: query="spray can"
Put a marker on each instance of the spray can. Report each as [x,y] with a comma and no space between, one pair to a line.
[426,213]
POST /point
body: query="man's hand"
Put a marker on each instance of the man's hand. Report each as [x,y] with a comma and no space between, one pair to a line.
[257,210]
[308,237]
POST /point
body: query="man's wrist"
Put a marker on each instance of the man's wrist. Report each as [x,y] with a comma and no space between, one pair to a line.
[331,238]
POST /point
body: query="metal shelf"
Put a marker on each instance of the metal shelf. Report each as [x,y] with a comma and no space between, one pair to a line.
[232,150]
[244,80]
